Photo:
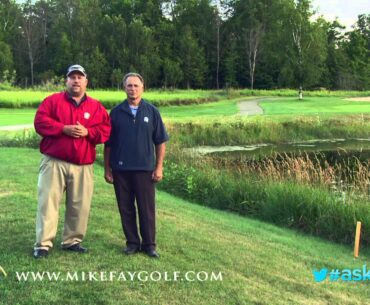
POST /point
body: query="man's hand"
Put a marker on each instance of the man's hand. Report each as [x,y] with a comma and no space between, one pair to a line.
[75,131]
[70,130]
[108,176]
[81,130]
[157,174]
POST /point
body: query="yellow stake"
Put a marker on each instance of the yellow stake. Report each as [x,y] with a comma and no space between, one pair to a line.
[357,239]
[3,271]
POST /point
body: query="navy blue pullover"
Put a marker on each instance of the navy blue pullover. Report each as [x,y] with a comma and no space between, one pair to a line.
[133,138]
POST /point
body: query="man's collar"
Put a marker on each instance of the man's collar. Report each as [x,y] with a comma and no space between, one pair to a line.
[73,101]
[141,100]
[128,104]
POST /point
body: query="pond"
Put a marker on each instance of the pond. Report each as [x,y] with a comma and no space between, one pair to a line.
[338,164]
[340,147]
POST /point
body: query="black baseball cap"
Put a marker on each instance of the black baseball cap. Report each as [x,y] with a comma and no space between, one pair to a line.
[76,68]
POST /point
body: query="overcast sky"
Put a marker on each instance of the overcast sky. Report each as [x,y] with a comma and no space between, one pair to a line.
[346,10]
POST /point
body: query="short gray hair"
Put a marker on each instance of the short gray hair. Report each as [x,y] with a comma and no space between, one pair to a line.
[133,74]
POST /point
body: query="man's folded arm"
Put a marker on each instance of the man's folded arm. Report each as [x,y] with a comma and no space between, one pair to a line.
[44,124]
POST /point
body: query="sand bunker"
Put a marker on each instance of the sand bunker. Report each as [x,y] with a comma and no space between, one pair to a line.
[359,99]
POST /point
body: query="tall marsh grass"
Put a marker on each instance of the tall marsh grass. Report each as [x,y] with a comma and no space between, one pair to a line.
[33,98]
[241,130]
[348,178]
[271,196]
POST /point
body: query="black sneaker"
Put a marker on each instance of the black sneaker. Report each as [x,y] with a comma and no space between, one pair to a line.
[131,250]
[40,253]
[75,248]
[152,253]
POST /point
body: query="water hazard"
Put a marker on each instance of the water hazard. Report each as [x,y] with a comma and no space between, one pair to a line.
[340,165]
[341,147]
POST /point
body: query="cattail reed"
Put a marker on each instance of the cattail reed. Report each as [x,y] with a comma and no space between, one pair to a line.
[348,176]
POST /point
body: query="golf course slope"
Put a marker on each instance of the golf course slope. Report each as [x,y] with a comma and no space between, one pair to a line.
[259,263]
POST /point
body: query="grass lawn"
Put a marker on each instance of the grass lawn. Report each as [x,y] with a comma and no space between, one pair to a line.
[16,116]
[277,109]
[29,97]
[10,116]
[259,263]
[313,105]
[203,111]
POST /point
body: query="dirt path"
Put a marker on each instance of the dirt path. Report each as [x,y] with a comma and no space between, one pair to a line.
[16,127]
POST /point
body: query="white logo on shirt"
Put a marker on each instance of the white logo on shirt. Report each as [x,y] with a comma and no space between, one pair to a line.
[86,115]
[146,119]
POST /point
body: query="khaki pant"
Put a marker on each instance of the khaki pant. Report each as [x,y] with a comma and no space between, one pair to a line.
[55,178]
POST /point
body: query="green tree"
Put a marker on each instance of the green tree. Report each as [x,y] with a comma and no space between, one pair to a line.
[306,47]
[6,58]
[186,43]
[9,14]
[143,55]
[192,59]
[172,73]
[363,26]
[98,69]
[250,18]
[201,19]
[63,56]
[114,43]
[230,63]
[357,49]
[116,78]
[358,55]
[336,61]
[32,32]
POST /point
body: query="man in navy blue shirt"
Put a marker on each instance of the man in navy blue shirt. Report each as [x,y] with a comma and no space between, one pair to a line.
[133,161]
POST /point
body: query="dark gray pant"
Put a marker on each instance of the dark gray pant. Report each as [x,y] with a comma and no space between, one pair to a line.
[128,186]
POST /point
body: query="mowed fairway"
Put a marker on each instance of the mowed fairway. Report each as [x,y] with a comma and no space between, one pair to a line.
[200,111]
[178,113]
[276,108]
[174,113]
[16,116]
[259,263]
[314,105]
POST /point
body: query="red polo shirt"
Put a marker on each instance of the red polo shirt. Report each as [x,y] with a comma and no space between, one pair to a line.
[58,110]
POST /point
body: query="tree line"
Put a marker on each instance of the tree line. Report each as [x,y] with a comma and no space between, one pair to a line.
[183,43]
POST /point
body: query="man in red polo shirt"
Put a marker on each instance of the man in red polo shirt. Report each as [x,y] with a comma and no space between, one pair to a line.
[71,125]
